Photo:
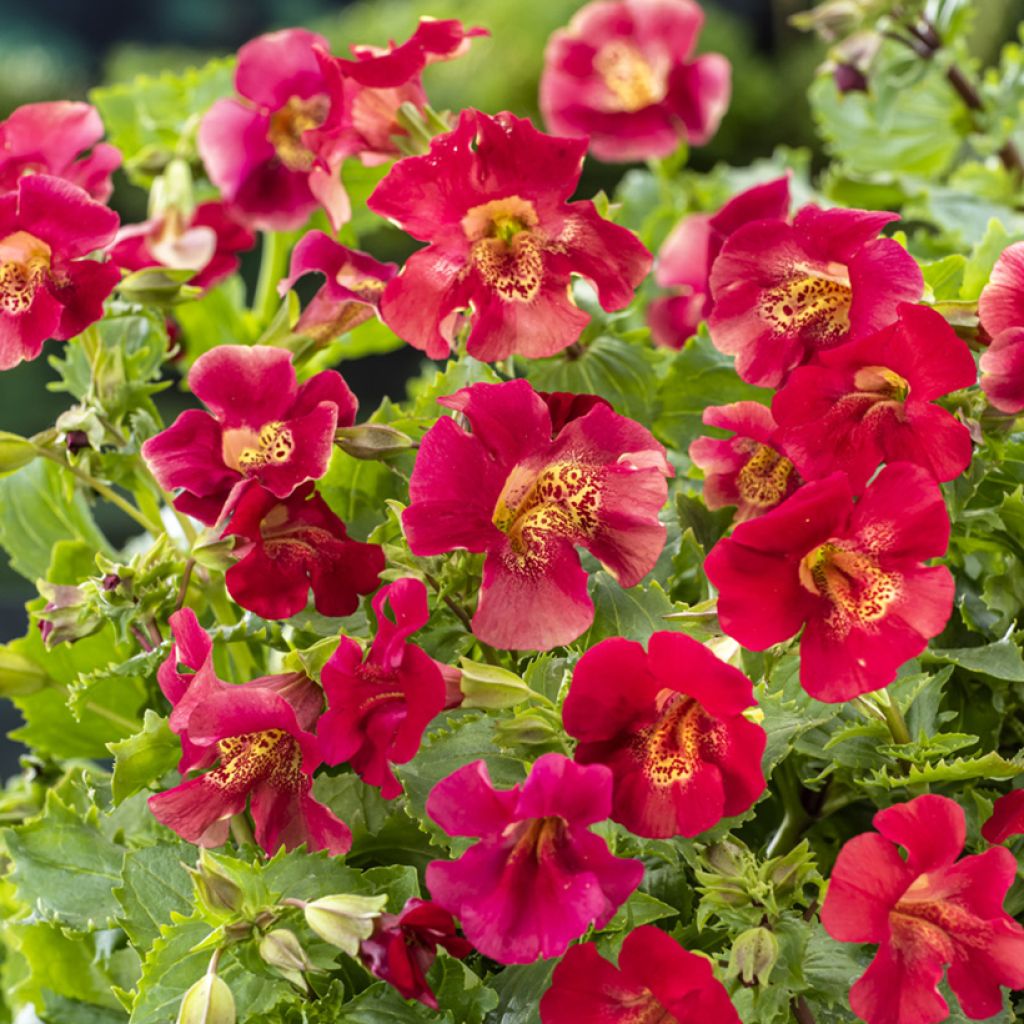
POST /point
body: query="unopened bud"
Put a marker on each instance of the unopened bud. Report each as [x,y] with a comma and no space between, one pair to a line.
[66,617]
[727,858]
[208,1001]
[158,286]
[490,686]
[371,441]
[281,949]
[753,956]
[214,887]
[15,452]
[19,676]
[76,441]
[344,921]
[213,552]
[785,873]
[533,728]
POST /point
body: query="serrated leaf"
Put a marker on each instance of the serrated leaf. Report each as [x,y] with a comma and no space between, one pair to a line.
[519,989]
[962,769]
[154,884]
[144,757]
[640,908]
[635,613]
[1000,660]
[381,1004]
[461,995]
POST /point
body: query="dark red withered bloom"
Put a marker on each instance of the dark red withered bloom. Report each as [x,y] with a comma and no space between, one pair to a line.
[1001,311]
[538,877]
[926,912]
[291,546]
[749,469]
[48,289]
[1007,818]
[61,139]
[261,425]
[379,705]
[350,294]
[669,724]
[270,152]
[623,73]
[784,292]
[656,980]
[404,945]
[853,574]
[491,199]
[527,496]
[873,401]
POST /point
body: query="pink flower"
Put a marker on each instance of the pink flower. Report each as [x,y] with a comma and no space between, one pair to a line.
[526,495]
[207,244]
[623,74]
[873,400]
[262,425]
[656,980]
[1002,371]
[267,152]
[51,138]
[378,706]
[925,912]
[1001,311]
[350,294]
[491,198]
[538,877]
[854,574]
[1007,818]
[669,724]
[685,259]
[47,288]
[784,292]
[748,470]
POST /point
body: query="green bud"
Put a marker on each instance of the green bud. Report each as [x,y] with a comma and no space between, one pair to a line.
[281,950]
[19,676]
[371,441]
[158,286]
[213,552]
[754,954]
[489,686]
[344,921]
[215,889]
[727,858]
[533,727]
[208,1001]
[15,452]
[788,873]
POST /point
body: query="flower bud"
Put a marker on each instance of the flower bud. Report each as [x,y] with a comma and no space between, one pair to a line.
[280,948]
[371,440]
[76,441]
[208,1001]
[19,676]
[213,552]
[214,887]
[489,686]
[753,956]
[343,920]
[158,286]
[533,727]
[67,616]
[15,452]
[727,858]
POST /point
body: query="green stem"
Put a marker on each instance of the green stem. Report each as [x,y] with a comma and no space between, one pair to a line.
[893,719]
[241,830]
[795,818]
[224,613]
[273,266]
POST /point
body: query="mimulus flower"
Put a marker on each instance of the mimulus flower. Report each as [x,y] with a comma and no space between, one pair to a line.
[669,724]
[854,574]
[623,73]
[378,706]
[1007,818]
[538,877]
[656,980]
[784,292]
[491,198]
[526,495]
[925,912]
[262,425]
[1001,311]
[47,288]
[747,470]
[873,401]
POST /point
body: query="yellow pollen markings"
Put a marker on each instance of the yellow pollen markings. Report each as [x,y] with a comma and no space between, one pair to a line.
[937,924]
[288,124]
[272,756]
[274,444]
[764,478]
[506,249]
[815,300]
[881,384]
[673,745]
[629,76]
[24,266]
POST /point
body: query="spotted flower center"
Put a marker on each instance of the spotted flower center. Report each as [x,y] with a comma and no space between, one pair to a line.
[764,478]
[505,247]
[286,538]
[677,741]
[642,1008]
[24,266]
[920,920]
[813,301]
[287,126]
[629,77]
[248,451]
[272,757]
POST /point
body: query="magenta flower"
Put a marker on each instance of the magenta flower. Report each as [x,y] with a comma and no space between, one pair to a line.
[52,138]
[1001,311]
[47,288]
[378,706]
[267,152]
[527,495]
[623,74]
[262,425]
[1007,817]
[491,199]
[538,877]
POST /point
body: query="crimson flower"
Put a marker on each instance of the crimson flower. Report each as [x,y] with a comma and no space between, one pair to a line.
[656,980]
[262,425]
[538,877]
[47,288]
[784,292]
[491,198]
[925,912]
[1007,818]
[669,724]
[623,74]
[748,470]
[267,152]
[378,706]
[403,946]
[854,574]
[52,138]
[1001,311]
[527,495]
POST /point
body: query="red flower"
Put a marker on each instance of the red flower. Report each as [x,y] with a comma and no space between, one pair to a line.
[669,724]
[50,138]
[490,197]
[293,545]
[853,573]
[687,255]
[656,980]
[872,401]
[403,946]
[379,706]
[350,294]
[748,470]
[47,288]
[1001,311]
[262,425]
[1002,371]
[622,74]
[783,292]
[538,877]
[207,244]
[527,498]
[925,912]
[1007,818]
[268,153]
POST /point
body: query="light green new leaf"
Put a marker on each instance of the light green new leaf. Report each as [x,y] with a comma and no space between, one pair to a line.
[144,757]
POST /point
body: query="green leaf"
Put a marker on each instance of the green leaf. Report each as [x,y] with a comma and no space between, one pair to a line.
[635,613]
[356,490]
[945,277]
[461,995]
[962,769]
[381,1004]
[978,268]
[519,990]
[639,909]
[220,317]
[1000,660]
[154,884]
[144,757]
